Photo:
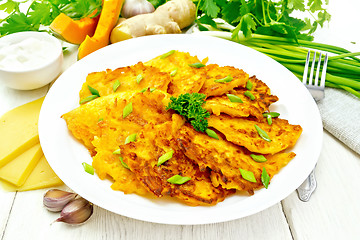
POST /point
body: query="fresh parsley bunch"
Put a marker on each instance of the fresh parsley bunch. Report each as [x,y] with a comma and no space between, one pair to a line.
[42,13]
[265,17]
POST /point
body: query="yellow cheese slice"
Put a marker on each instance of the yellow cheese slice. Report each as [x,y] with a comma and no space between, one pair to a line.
[19,130]
[41,177]
[19,169]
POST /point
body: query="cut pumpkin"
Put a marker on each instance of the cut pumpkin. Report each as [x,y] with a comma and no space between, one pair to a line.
[108,19]
[73,31]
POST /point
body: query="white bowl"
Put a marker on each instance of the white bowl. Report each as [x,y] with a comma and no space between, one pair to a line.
[41,72]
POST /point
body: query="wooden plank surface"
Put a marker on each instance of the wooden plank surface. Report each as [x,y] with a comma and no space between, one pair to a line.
[30,220]
[333,211]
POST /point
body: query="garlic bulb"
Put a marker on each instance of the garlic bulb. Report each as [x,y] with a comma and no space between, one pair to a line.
[76,212]
[55,200]
[136,7]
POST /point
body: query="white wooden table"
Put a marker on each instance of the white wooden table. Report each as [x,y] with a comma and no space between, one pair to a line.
[333,211]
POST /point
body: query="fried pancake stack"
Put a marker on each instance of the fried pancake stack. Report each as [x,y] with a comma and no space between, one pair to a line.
[126,147]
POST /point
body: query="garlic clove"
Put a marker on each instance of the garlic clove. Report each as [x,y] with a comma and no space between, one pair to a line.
[76,212]
[55,200]
[135,7]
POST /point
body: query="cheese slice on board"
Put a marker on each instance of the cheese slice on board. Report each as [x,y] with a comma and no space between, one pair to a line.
[41,177]
[19,130]
[19,169]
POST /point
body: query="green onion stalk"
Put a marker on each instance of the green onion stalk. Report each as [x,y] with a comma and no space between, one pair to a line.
[343,71]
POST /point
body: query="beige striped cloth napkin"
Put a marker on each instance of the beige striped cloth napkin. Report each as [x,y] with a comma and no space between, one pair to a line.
[340,113]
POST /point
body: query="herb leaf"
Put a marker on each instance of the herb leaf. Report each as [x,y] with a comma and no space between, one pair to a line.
[189,105]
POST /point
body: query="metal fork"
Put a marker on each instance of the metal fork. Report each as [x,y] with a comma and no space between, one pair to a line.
[317,91]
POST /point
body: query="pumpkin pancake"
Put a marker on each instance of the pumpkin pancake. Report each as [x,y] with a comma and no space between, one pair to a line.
[245,108]
[242,132]
[142,157]
[225,158]
[130,78]
[100,123]
[214,73]
[184,78]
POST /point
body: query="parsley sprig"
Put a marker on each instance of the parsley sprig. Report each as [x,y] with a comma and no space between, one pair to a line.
[189,105]
[264,17]
[42,13]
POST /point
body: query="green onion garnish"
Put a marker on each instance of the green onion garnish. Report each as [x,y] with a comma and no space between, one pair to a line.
[249,95]
[144,90]
[234,98]
[173,72]
[139,78]
[177,179]
[130,138]
[211,133]
[94,91]
[165,55]
[269,119]
[117,151]
[196,65]
[265,178]
[123,163]
[152,89]
[127,110]
[88,168]
[258,158]
[249,85]
[116,85]
[272,114]
[165,157]
[262,133]
[88,99]
[247,175]
[224,80]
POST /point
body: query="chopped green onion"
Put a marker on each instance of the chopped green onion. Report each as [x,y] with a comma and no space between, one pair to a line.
[116,85]
[139,78]
[262,133]
[258,158]
[165,55]
[211,133]
[144,90]
[269,119]
[165,157]
[272,114]
[174,72]
[88,168]
[117,151]
[224,80]
[265,178]
[177,179]
[100,119]
[249,85]
[247,175]
[94,91]
[130,138]
[249,95]
[234,98]
[197,65]
[127,110]
[152,89]
[123,163]
[88,99]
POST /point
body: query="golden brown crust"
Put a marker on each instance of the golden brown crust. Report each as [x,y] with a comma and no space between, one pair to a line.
[242,132]
[224,159]
[142,157]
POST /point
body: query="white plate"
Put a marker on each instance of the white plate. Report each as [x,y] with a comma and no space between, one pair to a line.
[65,154]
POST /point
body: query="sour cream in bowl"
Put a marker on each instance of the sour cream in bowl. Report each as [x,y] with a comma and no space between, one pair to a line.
[29,60]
